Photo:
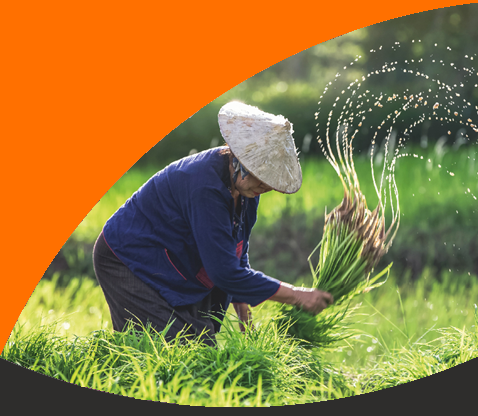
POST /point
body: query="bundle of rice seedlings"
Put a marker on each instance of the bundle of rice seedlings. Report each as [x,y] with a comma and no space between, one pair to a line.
[353,242]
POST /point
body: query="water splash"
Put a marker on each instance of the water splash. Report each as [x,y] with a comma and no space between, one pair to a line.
[402,112]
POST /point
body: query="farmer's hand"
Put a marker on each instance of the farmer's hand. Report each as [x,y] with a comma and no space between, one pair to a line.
[244,314]
[311,300]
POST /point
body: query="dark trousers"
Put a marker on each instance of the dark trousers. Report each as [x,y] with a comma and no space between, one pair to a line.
[130,299]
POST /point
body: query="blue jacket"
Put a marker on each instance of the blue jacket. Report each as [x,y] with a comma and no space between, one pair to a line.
[177,234]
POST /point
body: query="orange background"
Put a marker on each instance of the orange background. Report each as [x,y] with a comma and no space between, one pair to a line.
[88,88]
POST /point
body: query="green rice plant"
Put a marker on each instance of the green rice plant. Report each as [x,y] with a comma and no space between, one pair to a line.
[428,303]
[262,367]
[456,346]
[323,330]
[419,360]
[354,240]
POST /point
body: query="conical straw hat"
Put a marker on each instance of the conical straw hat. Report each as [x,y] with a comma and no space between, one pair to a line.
[263,144]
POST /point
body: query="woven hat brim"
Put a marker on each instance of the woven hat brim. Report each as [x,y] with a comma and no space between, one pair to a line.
[263,144]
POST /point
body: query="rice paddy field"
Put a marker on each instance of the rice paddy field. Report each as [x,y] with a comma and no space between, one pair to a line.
[413,326]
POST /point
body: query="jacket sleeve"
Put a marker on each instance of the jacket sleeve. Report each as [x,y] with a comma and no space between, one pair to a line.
[211,225]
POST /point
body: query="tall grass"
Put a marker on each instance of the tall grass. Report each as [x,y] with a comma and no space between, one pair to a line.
[262,368]
[404,332]
[406,313]
[454,346]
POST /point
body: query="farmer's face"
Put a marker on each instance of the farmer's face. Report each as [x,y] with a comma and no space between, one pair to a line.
[250,186]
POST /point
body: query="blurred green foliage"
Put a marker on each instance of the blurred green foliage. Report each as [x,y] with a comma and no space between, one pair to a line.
[438,223]
[293,87]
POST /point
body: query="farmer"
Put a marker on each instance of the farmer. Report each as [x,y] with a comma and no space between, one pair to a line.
[177,250]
